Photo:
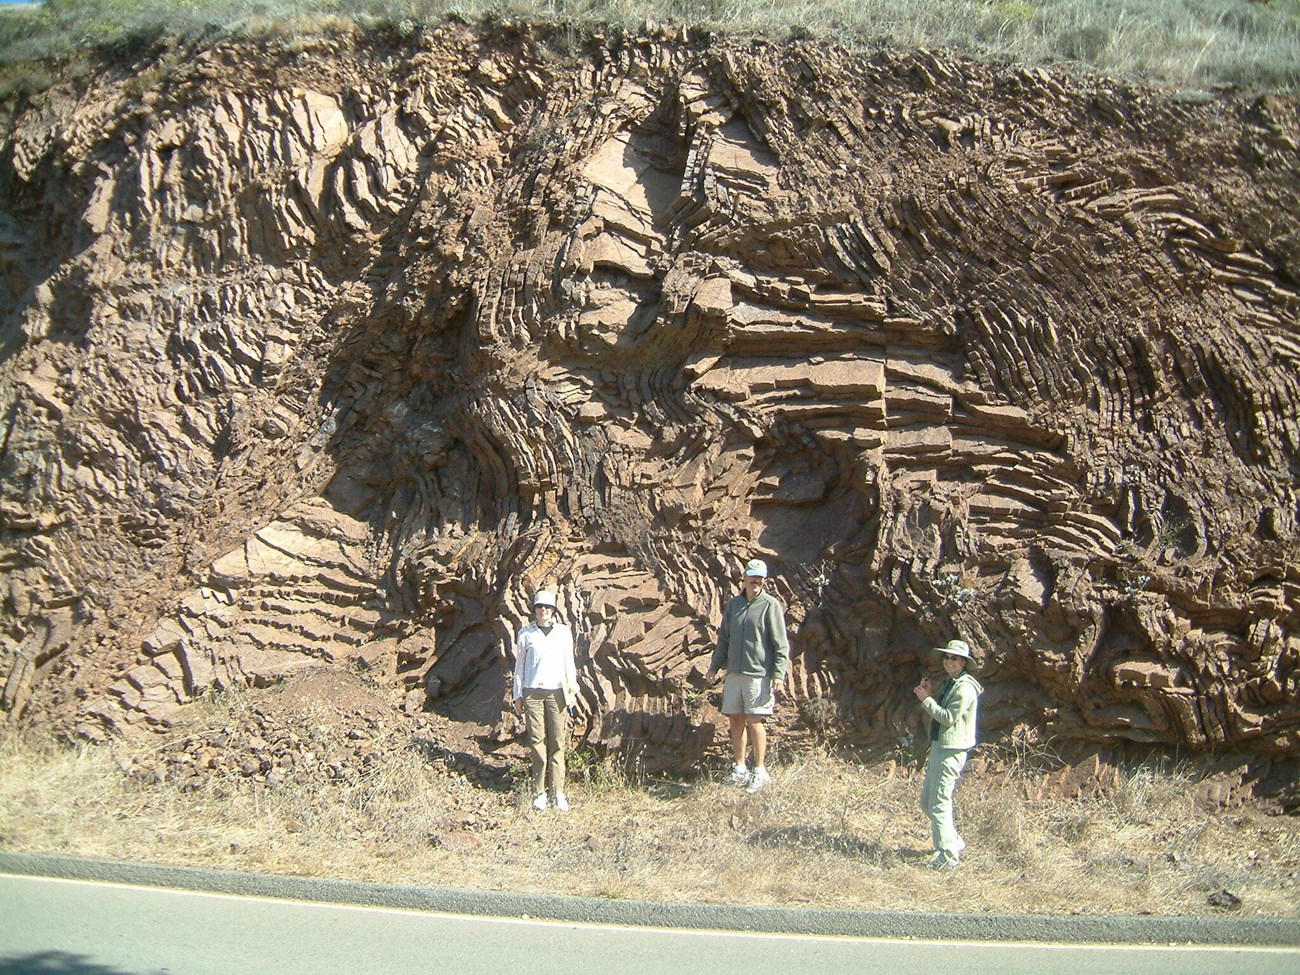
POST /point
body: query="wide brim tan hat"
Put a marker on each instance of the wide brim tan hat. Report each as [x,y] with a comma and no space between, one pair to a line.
[958,648]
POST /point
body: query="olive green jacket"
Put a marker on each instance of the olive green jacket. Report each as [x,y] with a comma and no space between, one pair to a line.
[956,716]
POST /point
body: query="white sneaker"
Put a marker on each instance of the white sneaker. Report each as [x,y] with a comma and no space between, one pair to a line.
[539,802]
[561,802]
[739,777]
[759,779]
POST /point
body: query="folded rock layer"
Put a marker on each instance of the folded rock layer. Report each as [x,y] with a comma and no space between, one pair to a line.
[329,354]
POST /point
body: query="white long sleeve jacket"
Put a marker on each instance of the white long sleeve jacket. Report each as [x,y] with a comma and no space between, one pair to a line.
[544,661]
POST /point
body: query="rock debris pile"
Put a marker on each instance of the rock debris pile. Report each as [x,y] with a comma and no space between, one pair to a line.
[314,730]
[319,726]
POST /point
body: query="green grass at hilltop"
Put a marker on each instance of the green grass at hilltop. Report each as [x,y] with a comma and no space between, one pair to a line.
[1184,43]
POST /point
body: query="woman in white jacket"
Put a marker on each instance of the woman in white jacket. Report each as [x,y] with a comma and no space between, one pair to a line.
[952,735]
[545,688]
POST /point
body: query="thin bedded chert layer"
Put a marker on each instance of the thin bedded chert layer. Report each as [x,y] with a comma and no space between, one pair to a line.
[331,357]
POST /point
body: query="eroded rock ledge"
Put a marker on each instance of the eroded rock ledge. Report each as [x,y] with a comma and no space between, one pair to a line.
[329,355]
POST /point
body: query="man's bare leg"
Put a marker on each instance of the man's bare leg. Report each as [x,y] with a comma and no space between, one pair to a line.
[737,728]
[757,739]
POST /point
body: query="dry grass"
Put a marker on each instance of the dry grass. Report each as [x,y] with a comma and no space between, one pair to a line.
[828,832]
[1178,42]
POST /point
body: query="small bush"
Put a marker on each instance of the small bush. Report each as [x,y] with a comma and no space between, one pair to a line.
[997,819]
[18,80]
[1146,791]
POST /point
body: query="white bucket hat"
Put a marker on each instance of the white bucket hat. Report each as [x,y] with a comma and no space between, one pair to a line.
[958,648]
[544,598]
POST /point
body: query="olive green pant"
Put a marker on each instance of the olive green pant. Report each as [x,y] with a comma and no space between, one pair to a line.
[546,720]
[942,770]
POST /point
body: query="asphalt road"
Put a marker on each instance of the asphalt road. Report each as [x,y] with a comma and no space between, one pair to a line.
[52,925]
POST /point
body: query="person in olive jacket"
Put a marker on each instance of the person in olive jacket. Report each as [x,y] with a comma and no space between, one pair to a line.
[952,734]
[753,647]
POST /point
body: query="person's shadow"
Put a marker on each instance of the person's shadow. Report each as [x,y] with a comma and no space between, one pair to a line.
[57,963]
[485,770]
[821,840]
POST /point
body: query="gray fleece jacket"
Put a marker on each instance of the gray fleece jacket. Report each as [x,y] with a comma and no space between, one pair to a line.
[752,639]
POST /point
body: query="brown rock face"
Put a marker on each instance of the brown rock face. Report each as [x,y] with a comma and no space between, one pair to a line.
[333,355]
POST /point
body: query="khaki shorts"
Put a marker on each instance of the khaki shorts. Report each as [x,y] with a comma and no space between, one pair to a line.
[747,695]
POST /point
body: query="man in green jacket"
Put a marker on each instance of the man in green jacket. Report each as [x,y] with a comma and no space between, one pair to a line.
[753,648]
[952,735]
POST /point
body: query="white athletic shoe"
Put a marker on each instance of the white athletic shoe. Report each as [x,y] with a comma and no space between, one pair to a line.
[561,802]
[739,777]
[539,802]
[759,779]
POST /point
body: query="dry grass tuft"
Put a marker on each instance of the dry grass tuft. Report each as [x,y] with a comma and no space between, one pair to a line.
[829,832]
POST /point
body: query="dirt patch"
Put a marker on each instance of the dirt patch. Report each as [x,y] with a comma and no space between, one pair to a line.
[326,694]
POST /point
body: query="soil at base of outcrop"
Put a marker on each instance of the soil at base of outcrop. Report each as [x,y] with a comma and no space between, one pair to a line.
[329,726]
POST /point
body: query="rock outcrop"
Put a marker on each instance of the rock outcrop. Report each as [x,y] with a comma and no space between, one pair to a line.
[328,354]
